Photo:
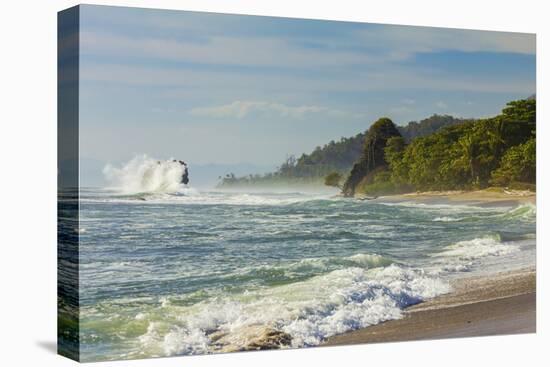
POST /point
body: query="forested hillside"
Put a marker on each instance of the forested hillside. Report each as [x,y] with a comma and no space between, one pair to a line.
[497,151]
[338,156]
[427,126]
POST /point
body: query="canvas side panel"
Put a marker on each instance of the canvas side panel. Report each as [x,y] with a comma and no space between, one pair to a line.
[68,343]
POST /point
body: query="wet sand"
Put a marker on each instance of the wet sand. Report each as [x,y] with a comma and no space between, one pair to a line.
[478,306]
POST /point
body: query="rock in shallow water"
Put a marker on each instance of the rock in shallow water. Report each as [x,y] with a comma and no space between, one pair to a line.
[255,337]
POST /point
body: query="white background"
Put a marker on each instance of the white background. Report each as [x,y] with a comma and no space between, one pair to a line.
[28,181]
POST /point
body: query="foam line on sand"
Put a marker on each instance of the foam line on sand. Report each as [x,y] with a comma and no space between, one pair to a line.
[479,306]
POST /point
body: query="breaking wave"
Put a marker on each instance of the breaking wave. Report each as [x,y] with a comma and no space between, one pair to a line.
[145,175]
[309,311]
[309,267]
[478,248]
[524,211]
[464,255]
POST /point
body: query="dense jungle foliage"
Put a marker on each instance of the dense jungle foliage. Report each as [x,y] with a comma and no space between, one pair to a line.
[497,151]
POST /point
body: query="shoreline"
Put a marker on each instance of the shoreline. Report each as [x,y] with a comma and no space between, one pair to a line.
[498,304]
[487,197]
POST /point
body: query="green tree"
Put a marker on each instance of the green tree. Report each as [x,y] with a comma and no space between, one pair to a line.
[524,110]
[373,153]
[334,179]
[394,150]
[517,165]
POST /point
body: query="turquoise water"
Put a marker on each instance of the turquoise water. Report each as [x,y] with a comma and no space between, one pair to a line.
[160,273]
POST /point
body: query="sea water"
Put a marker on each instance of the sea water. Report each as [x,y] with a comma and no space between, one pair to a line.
[163,271]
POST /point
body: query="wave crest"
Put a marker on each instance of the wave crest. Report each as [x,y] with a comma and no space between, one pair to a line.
[523,211]
[145,175]
[478,248]
[308,311]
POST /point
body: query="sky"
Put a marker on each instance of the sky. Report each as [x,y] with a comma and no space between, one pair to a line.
[246,91]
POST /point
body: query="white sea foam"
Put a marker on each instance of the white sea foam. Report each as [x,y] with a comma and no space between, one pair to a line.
[317,265]
[478,248]
[164,193]
[219,198]
[144,174]
[464,256]
[438,207]
[446,219]
[309,311]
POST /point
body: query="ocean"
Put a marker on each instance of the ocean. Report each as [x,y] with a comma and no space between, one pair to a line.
[177,270]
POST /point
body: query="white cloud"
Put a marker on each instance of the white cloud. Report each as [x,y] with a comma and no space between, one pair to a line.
[402,41]
[327,66]
[441,105]
[219,50]
[392,43]
[230,81]
[243,109]
[385,37]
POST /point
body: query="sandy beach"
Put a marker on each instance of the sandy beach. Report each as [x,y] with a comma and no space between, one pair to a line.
[478,306]
[495,304]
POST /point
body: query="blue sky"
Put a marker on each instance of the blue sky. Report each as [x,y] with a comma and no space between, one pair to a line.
[231,89]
